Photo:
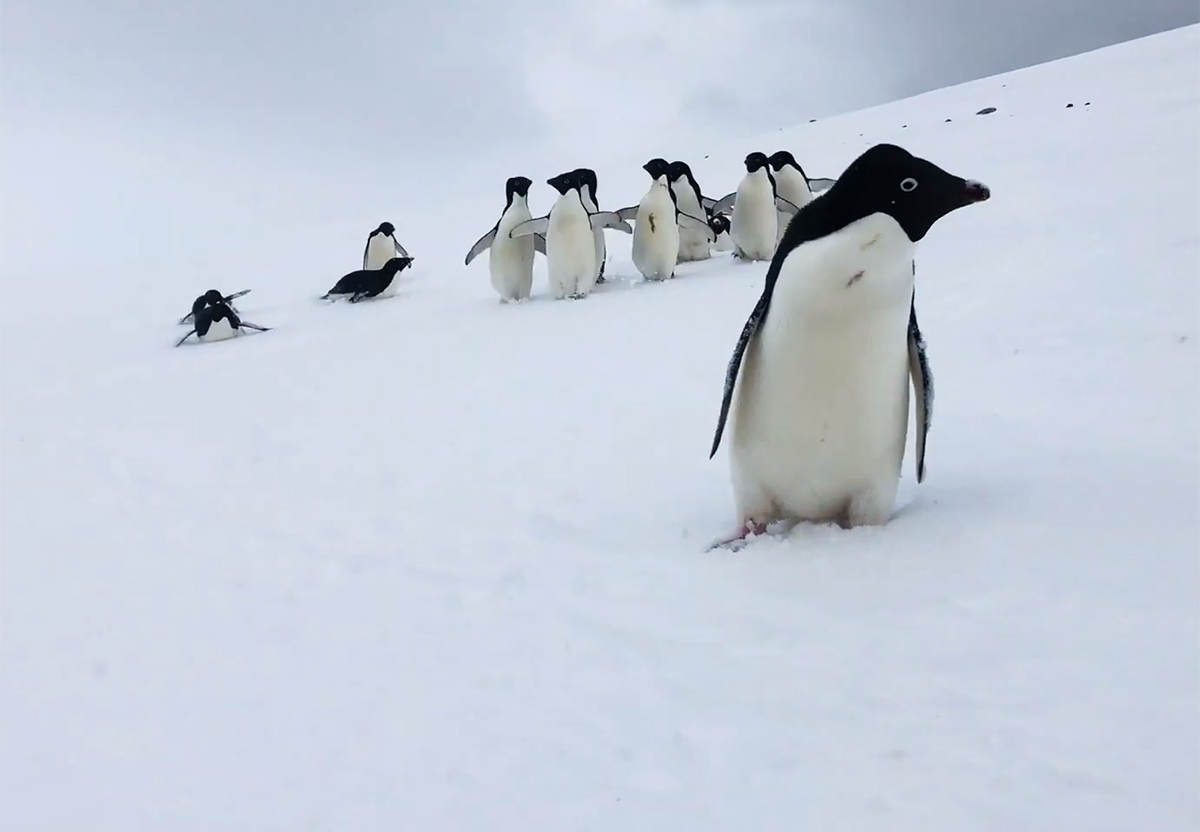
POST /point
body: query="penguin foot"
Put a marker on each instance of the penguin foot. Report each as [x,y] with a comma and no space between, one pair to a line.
[741,537]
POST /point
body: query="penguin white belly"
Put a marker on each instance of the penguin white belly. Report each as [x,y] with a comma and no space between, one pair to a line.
[656,236]
[792,186]
[220,330]
[570,251]
[821,410]
[693,243]
[755,219]
[510,261]
[379,250]
[392,288]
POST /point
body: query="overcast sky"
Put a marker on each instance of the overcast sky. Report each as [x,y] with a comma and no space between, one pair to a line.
[433,79]
[146,90]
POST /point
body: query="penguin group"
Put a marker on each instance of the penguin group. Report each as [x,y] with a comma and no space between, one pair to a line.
[673,223]
[816,393]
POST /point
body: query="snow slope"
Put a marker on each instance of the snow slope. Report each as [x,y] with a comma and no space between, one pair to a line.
[437,563]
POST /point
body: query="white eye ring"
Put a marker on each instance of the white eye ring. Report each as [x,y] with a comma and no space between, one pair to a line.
[908,184]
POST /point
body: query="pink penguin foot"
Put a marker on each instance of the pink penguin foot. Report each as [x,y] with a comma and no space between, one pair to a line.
[748,529]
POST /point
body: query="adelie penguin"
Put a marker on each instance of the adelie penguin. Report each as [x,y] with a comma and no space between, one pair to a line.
[756,205]
[793,184]
[215,320]
[510,261]
[570,239]
[719,223]
[693,244]
[587,190]
[382,246]
[818,385]
[210,297]
[658,223]
[369,283]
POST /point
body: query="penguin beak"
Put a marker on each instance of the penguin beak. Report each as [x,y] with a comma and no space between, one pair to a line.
[976,192]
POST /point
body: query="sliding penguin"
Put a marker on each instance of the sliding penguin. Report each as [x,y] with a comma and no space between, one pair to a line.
[369,283]
[719,223]
[382,246]
[693,244]
[216,321]
[570,241]
[820,415]
[756,206]
[209,297]
[659,223]
[510,262]
[587,190]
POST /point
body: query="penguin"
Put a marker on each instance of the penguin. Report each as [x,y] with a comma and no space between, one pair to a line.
[719,223]
[381,247]
[820,416]
[211,296]
[658,225]
[756,206]
[570,242]
[216,321]
[790,183]
[510,262]
[693,244]
[369,283]
[587,190]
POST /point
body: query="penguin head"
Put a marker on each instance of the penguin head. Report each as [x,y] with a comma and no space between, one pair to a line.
[719,223]
[397,264]
[781,159]
[386,229]
[677,170]
[586,177]
[212,296]
[756,161]
[564,182]
[913,191]
[517,186]
[657,168]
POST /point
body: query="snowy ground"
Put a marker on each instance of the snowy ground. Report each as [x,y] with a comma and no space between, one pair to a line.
[437,563]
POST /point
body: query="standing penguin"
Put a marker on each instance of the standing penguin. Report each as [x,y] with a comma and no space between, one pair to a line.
[821,411]
[382,246]
[793,184]
[510,261]
[756,206]
[216,321]
[693,243]
[570,242]
[587,190]
[659,223]
[369,283]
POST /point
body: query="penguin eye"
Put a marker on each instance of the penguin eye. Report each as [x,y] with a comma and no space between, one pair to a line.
[908,184]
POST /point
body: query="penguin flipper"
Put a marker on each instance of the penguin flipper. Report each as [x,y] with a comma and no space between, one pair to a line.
[627,213]
[237,295]
[735,364]
[610,219]
[707,203]
[481,245]
[820,184]
[686,220]
[366,248]
[539,244]
[786,206]
[922,382]
[184,338]
[537,225]
[724,204]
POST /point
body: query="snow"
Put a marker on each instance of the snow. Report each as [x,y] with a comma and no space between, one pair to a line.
[439,563]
